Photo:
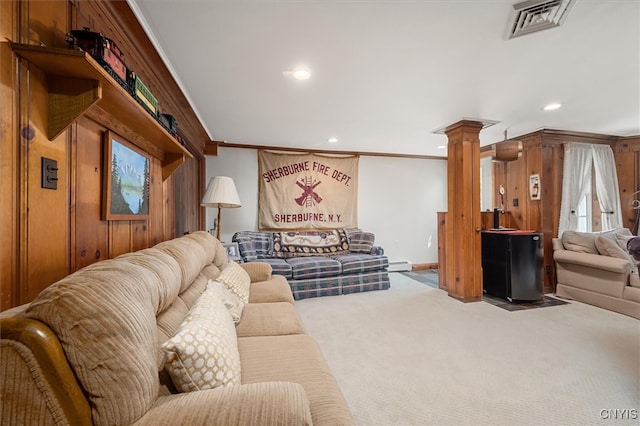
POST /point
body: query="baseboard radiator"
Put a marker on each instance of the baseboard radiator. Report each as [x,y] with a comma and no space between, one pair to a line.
[400,266]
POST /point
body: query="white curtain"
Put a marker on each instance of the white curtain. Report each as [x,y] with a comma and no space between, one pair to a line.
[578,158]
[607,188]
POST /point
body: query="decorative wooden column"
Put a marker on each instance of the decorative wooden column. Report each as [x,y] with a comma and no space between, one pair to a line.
[463,264]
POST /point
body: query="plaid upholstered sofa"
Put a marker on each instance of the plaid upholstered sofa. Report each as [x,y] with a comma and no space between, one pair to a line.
[175,334]
[319,263]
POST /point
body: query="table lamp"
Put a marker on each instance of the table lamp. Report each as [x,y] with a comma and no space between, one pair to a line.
[221,193]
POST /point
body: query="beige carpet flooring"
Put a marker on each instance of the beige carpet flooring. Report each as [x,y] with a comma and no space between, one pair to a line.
[412,355]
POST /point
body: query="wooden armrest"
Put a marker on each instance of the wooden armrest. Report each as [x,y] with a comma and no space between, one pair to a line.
[40,349]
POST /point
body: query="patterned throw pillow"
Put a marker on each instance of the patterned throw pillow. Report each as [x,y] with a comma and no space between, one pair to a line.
[204,352]
[230,300]
[236,280]
[361,242]
[254,245]
[310,243]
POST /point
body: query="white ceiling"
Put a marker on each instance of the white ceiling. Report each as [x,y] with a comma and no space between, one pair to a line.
[385,74]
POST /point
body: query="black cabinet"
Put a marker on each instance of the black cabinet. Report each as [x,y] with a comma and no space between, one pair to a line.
[512,263]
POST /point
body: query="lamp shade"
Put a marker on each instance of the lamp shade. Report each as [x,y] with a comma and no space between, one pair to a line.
[221,192]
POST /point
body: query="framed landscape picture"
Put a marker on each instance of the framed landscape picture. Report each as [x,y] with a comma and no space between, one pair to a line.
[126,180]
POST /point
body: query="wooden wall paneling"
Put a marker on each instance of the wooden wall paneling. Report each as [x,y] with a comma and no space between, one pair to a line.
[513,191]
[45,233]
[627,155]
[158,199]
[90,231]
[9,161]
[553,160]
[500,178]
[49,233]
[48,22]
[169,210]
[626,168]
[118,22]
[119,237]
[506,220]
[188,192]
[139,234]
[533,165]
[551,184]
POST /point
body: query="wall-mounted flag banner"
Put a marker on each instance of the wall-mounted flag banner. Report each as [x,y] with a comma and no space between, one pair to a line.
[307,191]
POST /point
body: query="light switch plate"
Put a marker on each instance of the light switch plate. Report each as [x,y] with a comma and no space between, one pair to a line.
[49,173]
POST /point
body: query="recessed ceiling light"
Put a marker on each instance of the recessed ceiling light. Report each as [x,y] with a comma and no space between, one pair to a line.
[551,107]
[301,74]
[333,140]
[442,146]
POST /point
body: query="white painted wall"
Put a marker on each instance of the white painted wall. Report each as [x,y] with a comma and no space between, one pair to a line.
[398,199]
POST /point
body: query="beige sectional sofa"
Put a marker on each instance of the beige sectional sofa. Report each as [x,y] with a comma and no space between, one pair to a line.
[113,342]
[595,268]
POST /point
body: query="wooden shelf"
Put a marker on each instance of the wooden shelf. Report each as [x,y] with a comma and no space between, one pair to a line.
[79,85]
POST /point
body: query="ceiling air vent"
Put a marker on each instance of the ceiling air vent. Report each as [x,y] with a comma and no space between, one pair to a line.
[537,15]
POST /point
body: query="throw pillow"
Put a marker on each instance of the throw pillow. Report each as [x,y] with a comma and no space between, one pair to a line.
[613,233]
[608,247]
[236,280]
[361,242]
[254,245]
[230,300]
[622,240]
[310,243]
[204,352]
[581,242]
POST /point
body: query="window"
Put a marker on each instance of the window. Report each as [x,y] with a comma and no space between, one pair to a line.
[584,214]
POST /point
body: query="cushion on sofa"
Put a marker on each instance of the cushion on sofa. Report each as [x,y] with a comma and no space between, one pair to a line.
[210,271]
[359,263]
[581,242]
[296,358]
[105,317]
[612,233]
[189,254]
[314,267]
[230,300]
[254,245]
[206,241]
[204,352]
[286,404]
[361,242]
[309,243]
[279,267]
[258,271]
[623,241]
[277,289]
[236,279]
[269,319]
[585,242]
[609,247]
